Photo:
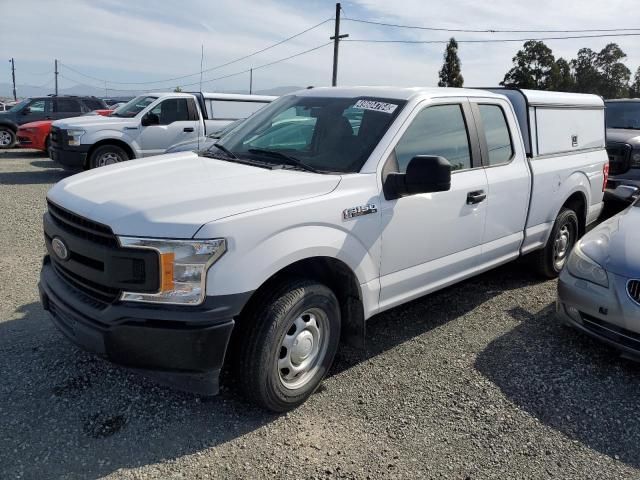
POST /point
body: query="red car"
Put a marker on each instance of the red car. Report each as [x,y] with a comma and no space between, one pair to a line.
[36,134]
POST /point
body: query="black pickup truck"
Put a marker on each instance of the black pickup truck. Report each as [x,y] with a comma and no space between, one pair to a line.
[623,146]
[43,108]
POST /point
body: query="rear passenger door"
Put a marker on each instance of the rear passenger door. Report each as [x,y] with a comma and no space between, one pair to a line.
[508,178]
[434,239]
[66,108]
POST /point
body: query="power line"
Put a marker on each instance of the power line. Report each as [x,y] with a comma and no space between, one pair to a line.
[205,70]
[491,40]
[487,30]
[50,72]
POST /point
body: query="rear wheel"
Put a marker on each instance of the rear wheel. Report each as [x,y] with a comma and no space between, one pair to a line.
[7,137]
[288,342]
[107,155]
[551,259]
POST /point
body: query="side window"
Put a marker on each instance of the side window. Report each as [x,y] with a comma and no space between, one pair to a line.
[438,130]
[38,106]
[496,131]
[67,105]
[172,110]
[192,109]
[93,104]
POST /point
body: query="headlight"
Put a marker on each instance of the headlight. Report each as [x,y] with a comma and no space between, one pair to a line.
[581,266]
[74,136]
[635,159]
[27,130]
[183,268]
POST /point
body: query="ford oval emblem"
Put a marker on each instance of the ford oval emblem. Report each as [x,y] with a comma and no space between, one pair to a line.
[60,249]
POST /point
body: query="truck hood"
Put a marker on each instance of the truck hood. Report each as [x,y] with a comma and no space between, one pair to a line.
[615,243]
[623,135]
[173,195]
[99,121]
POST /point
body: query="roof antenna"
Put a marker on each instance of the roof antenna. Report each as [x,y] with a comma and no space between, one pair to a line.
[205,106]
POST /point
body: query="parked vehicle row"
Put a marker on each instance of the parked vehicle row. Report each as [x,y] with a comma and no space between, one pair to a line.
[43,108]
[319,211]
[146,126]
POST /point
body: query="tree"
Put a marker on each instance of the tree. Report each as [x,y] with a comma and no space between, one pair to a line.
[614,74]
[634,89]
[562,79]
[586,74]
[177,89]
[450,75]
[533,67]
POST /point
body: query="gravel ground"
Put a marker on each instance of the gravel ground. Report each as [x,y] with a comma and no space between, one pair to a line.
[476,381]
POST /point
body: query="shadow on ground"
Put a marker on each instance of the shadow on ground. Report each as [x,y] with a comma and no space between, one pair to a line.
[47,172]
[569,382]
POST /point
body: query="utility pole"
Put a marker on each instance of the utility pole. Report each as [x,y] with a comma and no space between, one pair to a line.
[251,81]
[336,41]
[55,69]
[13,76]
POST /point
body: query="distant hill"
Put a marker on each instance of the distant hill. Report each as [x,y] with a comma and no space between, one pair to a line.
[32,91]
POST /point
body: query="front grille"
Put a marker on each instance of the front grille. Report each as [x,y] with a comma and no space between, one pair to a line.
[633,289]
[619,335]
[98,296]
[80,226]
[57,136]
[619,158]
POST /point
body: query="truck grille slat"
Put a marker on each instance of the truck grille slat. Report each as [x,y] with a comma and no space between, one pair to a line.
[82,227]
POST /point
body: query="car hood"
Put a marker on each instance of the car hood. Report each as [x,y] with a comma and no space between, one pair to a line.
[89,121]
[615,243]
[623,135]
[173,195]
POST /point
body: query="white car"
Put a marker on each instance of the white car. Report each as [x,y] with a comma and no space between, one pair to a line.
[266,250]
[146,126]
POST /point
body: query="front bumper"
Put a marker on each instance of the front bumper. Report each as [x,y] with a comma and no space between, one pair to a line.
[607,314]
[72,158]
[181,346]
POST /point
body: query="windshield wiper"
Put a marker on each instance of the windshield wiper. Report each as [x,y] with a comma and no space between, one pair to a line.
[289,159]
[225,150]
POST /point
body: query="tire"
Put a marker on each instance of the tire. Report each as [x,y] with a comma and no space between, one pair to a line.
[7,137]
[297,326]
[550,260]
[47,144]
[107,155]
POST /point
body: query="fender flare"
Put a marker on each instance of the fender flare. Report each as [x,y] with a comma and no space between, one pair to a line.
[8,123]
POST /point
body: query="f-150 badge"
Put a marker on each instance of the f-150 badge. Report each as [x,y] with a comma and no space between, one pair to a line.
[359,211]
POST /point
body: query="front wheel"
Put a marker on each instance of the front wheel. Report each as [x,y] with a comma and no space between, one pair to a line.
[551,259]
[288,345]
[107,155]
[7,137]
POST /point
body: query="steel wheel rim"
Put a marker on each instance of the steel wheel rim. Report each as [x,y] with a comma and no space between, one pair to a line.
[562,245]
[108,158]
[5,138]
[303,347]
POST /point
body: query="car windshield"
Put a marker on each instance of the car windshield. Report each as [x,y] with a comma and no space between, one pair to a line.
[623,115]
[134,107]
[18,106]
[328,134]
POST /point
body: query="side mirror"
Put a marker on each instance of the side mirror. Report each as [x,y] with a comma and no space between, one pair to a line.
[150,119]
[26,111]
[425,174]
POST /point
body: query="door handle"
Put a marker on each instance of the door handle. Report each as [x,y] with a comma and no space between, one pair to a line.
[476,197]
[188,129]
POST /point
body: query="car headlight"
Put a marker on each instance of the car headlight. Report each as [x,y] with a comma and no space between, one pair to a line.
[183,268]
[27,130]
[74,136]
[635,159]
[581,266]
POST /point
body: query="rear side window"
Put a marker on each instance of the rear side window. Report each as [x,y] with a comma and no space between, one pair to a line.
[439,130]
[233,110]
[93,104]
[38,106]
[67,105]
[496,131]
[192,110]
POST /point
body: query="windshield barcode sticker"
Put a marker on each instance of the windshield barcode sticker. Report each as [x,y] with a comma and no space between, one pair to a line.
[376,106]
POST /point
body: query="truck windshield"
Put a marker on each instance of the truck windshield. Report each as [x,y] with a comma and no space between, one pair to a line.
[328,134]
[134,107]
[623,115]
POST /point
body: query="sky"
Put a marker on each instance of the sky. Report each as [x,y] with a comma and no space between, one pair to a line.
[121,41]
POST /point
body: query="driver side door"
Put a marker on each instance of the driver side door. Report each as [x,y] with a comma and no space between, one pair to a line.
[178,121]
[431,240]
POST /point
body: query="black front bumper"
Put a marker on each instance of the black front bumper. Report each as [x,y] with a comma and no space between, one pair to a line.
[72,158]
[182,346]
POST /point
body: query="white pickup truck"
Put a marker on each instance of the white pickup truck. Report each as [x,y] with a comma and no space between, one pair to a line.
[146,126]
[326,207]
